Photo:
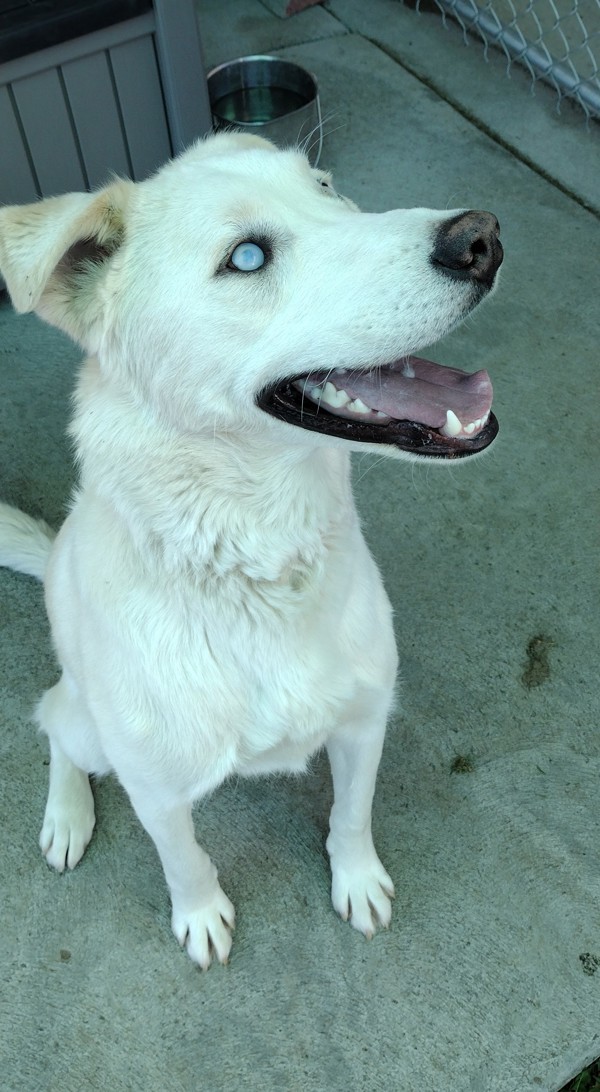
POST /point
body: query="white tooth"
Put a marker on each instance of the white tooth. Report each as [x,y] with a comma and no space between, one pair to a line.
[380,413]
[316,393]
[357,406]
[470,429]
[452,426]
[333,397]
[341,371]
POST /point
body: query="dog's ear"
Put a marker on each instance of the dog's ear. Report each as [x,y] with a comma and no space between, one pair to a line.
[54,254]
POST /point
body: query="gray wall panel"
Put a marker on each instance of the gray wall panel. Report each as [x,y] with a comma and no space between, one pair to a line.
[72,50]
[138,85]
[96,116]
[121,99]
[17,184]
[182,69]
[46,120]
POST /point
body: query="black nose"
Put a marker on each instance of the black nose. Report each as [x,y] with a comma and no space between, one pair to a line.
[468,247]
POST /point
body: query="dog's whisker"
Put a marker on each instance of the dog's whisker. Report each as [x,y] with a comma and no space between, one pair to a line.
[318,133]
[318,128]
[334,129]
[379,459]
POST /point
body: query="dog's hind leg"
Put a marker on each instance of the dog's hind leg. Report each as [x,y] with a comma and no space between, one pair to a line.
[361,888]
[69,817]
[202,914]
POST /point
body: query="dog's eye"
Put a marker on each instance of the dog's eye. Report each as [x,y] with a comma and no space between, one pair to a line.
[247,257]
[326,184]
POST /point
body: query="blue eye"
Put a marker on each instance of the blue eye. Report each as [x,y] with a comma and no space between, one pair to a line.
[247,256]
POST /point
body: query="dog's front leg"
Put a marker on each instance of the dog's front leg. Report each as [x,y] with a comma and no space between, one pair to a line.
[361,889]
[202,914]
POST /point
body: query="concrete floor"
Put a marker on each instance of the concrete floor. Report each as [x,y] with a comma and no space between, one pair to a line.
[485,981]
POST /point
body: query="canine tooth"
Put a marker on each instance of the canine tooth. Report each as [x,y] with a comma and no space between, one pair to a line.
[357,406]
[452,426]
[333,397]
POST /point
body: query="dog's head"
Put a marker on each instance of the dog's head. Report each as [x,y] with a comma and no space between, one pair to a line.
[236,290]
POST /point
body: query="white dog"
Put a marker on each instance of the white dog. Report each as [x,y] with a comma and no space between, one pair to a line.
[214,607]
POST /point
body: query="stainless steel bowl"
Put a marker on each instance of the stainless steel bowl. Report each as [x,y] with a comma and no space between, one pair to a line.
[269,97]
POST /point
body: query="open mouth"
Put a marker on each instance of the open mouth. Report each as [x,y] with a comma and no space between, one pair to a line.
[414,404]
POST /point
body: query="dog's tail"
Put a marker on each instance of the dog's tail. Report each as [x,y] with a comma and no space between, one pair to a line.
[25,543]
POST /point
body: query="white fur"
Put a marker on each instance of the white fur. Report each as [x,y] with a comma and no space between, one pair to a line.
[214,607]
[25,542]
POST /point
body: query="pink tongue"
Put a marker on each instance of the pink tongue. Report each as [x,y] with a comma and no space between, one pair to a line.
[414,389]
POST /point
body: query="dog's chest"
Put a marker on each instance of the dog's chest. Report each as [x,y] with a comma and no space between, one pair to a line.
[298,687]
[289,668]
[222,675]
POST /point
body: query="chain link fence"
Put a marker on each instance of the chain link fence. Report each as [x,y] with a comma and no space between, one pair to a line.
[558,41]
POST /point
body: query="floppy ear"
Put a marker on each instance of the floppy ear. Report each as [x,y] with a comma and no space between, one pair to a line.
[54,254]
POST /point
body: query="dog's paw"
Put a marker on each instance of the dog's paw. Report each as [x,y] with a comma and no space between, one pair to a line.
[206,931]
[67,829]
[361,891]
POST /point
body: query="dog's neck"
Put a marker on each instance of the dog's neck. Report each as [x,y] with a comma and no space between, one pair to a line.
[215,506]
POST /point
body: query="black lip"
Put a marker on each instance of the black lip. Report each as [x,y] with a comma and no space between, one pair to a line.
[288,404]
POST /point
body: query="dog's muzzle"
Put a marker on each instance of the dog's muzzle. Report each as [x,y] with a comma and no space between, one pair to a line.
[411,403]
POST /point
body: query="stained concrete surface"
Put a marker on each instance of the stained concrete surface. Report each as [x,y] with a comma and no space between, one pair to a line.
[486,811]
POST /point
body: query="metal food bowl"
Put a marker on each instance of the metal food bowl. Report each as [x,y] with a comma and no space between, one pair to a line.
[268,97]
